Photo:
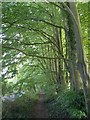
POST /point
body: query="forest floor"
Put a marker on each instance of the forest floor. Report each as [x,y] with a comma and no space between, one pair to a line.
[39,108]
[42,107]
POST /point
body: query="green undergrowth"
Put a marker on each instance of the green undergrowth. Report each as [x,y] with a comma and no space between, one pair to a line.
[67,104]
[19,108]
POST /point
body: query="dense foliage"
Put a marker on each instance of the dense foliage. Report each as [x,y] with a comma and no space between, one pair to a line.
[68,104]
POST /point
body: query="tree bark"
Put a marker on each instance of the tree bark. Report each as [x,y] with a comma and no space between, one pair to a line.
[80,55]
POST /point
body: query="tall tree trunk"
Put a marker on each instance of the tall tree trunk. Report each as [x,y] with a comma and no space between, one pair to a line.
[80,54]
[58,38]
[71,53]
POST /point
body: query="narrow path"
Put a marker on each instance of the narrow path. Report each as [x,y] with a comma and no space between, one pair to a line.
[39,109]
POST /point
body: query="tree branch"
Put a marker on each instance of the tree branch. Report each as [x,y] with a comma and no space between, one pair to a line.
[42,33]
[58,6]
[37,56]
[11,24]
[40,20]
[36,43]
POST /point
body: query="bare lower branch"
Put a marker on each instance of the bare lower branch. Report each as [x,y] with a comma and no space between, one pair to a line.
[37,56]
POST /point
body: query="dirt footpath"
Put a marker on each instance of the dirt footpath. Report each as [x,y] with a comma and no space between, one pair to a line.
[39,109]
